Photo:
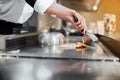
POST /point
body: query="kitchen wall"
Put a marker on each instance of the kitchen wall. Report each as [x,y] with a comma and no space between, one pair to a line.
[42,22]
[47,21]
[105,6]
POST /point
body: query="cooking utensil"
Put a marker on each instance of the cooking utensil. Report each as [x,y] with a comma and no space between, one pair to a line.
[88,38]
[51,38]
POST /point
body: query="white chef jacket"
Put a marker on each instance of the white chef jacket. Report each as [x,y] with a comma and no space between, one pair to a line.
[40,6]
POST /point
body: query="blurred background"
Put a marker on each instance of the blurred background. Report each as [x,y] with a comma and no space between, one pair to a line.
[102,17]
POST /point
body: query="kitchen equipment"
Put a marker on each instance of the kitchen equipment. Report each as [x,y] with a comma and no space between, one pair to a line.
[17,41]
[51,38]
[88,38]
[98,53]
[46,69]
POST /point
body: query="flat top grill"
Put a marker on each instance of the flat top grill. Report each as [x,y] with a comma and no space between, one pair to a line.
[55,63]
[98,53]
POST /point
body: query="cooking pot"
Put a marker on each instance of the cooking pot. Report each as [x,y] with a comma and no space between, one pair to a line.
[51,38]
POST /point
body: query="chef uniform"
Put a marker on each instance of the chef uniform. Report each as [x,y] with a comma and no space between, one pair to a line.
[13,13]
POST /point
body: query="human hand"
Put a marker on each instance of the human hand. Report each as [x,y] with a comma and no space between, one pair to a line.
[68,14]
[79,23]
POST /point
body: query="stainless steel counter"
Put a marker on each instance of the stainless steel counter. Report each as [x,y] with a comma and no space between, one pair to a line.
[45,69]
[55,63]
[99,52]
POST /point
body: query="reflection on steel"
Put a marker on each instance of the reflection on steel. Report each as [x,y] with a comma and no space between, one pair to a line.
[39,69]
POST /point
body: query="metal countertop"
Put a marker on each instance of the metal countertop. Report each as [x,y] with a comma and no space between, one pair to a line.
[99,52]
[40,69]
[55,63]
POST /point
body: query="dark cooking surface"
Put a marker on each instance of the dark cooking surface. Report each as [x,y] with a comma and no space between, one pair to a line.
[112,44]
[39,69]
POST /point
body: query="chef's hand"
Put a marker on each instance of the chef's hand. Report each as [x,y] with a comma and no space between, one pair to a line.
[67,14]
[79,22]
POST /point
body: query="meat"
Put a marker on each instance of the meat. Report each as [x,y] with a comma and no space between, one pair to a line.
[80,45]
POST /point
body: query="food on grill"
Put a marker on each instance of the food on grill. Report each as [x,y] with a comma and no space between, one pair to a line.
[80,45]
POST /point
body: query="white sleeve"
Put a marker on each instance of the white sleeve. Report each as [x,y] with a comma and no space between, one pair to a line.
[42,5]
[26,14]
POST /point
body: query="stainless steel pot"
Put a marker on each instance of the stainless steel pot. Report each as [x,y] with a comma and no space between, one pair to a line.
[50,38]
